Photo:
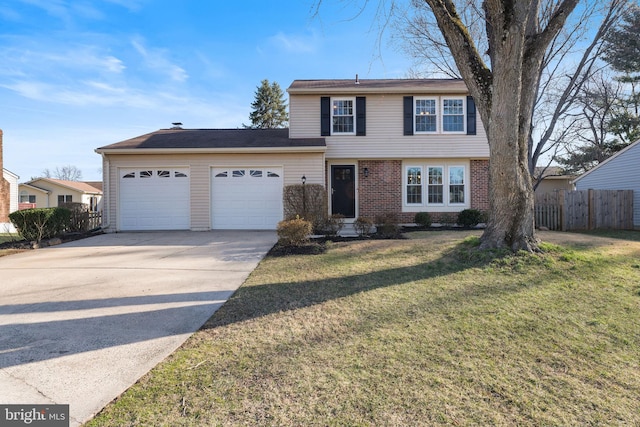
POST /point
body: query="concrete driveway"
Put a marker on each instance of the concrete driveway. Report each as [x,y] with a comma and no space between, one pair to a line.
[81,322]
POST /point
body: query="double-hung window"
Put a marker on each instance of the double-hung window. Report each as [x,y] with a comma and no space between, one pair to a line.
[456,185]
[414,185]
[453,115]
[65,198]
[426,115]
[343,115]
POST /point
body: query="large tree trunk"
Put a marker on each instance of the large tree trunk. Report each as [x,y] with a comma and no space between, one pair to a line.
[511,200]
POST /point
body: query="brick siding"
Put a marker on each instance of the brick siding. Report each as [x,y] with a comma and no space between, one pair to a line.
[5,191]
[381,191]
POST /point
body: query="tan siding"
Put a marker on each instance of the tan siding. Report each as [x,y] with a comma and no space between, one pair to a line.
[385,137]
[295,165]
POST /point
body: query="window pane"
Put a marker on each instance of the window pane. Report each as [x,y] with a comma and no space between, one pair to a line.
[453,115]
[238,173]
[343,116]
[164,174]
[425,115]
[414,185]
[435,188]
[414,194]
[456,184]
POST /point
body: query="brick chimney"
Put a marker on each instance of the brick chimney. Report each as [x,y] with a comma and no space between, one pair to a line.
[5,191]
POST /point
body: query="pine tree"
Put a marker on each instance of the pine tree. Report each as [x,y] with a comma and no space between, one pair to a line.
[269,107]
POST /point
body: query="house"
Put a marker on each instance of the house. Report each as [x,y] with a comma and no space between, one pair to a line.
[5,190]
[618,172]
[553,179]
[50,192]
[378,146]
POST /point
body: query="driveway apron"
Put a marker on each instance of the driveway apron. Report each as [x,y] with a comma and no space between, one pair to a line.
[82,321]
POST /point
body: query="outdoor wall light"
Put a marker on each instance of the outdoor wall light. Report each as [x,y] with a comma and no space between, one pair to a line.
[304,179]
[365,171]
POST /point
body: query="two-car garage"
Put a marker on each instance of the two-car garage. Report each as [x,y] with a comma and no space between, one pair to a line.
[248,198]
[204,179]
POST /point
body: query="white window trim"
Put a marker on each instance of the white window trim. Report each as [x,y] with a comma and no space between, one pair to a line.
[406,184]
[465,183]
[438,124]
[444,186]
[464,115]
[446,206]
[353,102]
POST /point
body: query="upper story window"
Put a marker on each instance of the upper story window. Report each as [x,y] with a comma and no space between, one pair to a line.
[439,114]
[453,115]
[426,115]
[342,116]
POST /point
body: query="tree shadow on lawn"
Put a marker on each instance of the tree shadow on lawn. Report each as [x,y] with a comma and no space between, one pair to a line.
[251,302]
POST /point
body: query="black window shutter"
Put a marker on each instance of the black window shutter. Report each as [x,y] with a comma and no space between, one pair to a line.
[471,116]
[361,116]
[408,115]
[325,116]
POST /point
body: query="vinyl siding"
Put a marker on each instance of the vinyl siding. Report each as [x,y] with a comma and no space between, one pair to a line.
[295,166]
[618,173]
[384,137]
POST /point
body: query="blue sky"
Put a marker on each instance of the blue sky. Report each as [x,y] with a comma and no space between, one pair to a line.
[79,74]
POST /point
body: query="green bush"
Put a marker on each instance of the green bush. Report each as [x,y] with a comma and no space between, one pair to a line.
[470,217]
[332,225]
[423,219]
[294,232]
[363,226]
[40,223]
[387,225]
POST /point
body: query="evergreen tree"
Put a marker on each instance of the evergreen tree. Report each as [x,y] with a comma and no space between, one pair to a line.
[623,54]
[269,107]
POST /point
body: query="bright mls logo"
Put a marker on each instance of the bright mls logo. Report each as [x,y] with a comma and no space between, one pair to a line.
[34,415]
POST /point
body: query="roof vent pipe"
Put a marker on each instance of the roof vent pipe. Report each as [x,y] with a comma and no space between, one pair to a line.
[357,80]
[176,125]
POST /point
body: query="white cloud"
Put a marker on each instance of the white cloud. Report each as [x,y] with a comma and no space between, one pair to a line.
[157,59]
[292,43]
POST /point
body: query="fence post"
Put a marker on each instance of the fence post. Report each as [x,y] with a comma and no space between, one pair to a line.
[591,219]
[563,210]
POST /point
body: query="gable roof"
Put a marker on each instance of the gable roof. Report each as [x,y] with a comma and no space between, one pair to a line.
[353,86]
[615,156]
[81,186]
[219,140]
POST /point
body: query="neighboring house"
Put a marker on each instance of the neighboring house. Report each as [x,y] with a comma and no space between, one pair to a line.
[378,146]
[5,191]
[553,179]
[12,179]
[50,192]
[618,172]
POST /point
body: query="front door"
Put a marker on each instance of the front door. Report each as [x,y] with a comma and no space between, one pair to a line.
[343,191]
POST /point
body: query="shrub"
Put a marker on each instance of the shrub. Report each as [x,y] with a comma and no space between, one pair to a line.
[79,219]
[332,225]
[44,223]
[363,226]
[423,219]
[387,225]
[470,217]
[313,207]
[294,232]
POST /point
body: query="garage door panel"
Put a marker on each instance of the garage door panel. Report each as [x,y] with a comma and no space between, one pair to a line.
[246,198]
[159,201]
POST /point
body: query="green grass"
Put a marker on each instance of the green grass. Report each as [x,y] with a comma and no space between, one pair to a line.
[425,331]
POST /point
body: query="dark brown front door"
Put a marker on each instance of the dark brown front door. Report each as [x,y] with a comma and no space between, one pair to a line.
[343,191]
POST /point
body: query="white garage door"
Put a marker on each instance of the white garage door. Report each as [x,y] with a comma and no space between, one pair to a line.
[154,199]
[246,198]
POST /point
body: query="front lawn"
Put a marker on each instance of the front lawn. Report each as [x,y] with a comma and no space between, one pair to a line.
[424,331]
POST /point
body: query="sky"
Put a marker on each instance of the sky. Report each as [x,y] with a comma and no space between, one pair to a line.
[76,75]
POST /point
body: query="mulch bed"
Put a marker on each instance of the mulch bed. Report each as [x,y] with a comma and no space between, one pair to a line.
[68,237]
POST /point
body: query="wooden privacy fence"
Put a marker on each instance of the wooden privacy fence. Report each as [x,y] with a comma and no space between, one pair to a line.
[585,210]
